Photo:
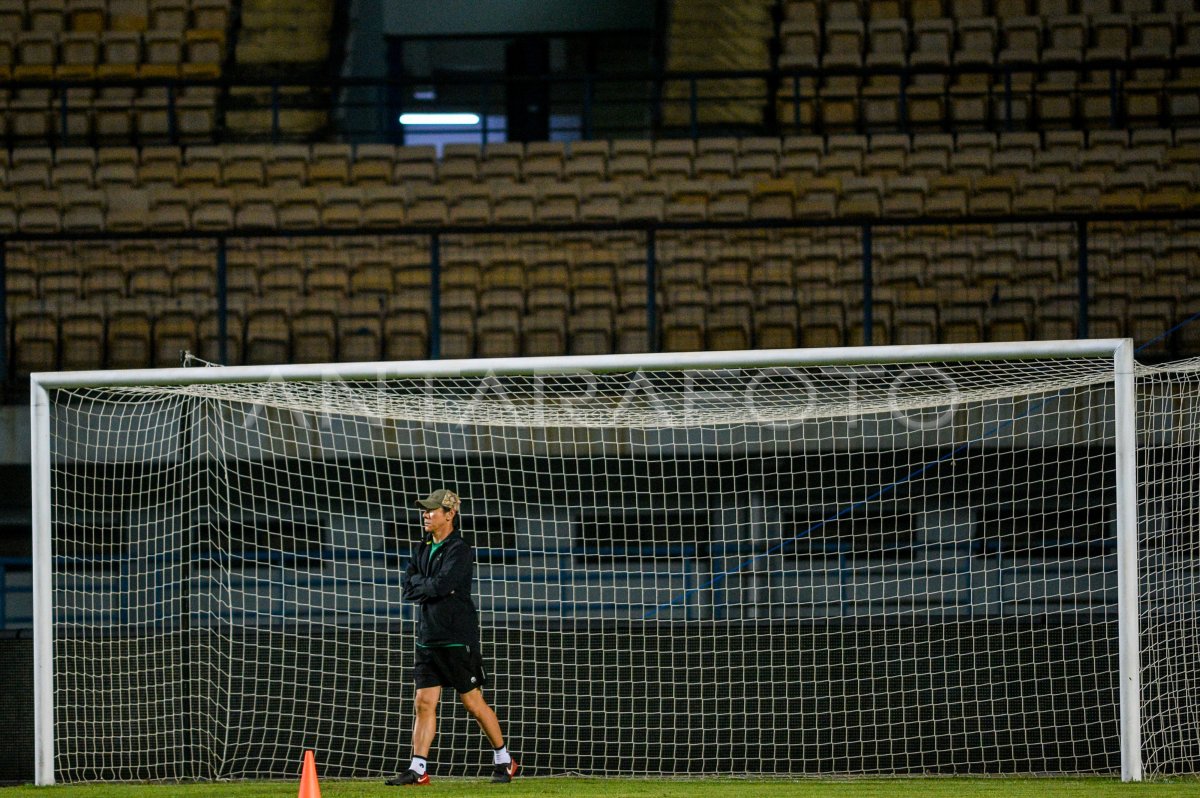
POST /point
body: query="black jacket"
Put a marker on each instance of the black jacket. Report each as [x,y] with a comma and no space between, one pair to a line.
[440,584]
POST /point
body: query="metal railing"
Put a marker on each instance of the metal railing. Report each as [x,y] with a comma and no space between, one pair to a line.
[1063,249]
[633,104]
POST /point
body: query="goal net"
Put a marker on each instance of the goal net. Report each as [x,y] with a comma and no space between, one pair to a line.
[858,561]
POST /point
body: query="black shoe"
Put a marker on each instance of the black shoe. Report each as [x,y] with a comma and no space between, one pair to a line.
[503,774]
[408,778]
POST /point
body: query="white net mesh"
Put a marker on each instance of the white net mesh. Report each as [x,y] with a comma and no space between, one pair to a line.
[1169,566]
[833,570]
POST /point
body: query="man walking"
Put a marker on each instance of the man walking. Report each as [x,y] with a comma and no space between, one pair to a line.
[439,579]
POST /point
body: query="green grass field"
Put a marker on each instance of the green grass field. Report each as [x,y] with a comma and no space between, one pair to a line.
[649,788]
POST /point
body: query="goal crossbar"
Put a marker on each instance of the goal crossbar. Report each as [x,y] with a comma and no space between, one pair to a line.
[667,361]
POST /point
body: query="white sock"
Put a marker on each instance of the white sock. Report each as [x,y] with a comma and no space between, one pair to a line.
[418,765]
[500,756]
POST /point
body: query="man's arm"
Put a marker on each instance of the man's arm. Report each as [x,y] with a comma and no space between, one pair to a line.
[453,573]
[411,581]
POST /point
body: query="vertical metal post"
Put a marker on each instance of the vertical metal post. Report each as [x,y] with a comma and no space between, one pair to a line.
[222,303]
[589,98]
[1114,99]
[484,100]
[4,312]
[43,609]
[867,281]
[1081,236]
[274,113]
[796,102]
[693,110]
[1128,650]
[651,292]
[435,297]
[63,138]
[1008,100]
[391,104]
[172,115]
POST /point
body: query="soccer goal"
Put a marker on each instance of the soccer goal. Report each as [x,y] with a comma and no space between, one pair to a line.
[967,559]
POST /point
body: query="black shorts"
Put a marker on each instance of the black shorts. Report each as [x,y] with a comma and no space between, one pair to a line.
[460,667]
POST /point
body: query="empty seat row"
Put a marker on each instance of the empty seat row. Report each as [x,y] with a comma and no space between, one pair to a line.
[1164,243]
[987,40]
[114,55]
[710,35]
[80,210]
[818,11]
[130,335]
[149,115]
[275,33]
[120,15]
[1142,260]
[251,165]
[603,283]
[981,101]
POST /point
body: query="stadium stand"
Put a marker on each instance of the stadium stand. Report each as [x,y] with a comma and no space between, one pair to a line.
[926,80]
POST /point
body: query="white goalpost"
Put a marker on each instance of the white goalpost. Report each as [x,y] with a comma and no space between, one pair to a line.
[960,559]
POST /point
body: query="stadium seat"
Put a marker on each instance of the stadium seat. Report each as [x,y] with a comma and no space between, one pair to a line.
[256,209]
[590,331]
[282,276]
[129,340]
[170,15]
[104,283]
[458,332]
[558,202]
[930,153]
[758,158]
[31,118]
[822,319]
[643,201]
[384,206]
[268,333]
[916,317]
[314,330]
[716,158]
[293,208]
[861,196]
[405,335]
[588,161]
[175,331]
[471,205]
[360,330]
[543,161]
[429,205]
[35,339]
[460,163]
[29,168]
[81,328]
[544,333]
[209,333]
[502,161]
[40,211]
[286,163]
[514,203]
[415,164]
[329,164]
[373,163]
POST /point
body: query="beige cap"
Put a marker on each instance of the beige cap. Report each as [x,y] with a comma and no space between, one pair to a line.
[443,497]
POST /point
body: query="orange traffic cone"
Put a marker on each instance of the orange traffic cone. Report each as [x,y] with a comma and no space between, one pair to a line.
[308,778]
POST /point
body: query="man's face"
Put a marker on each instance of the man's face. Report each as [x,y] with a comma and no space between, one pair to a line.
[438,522]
